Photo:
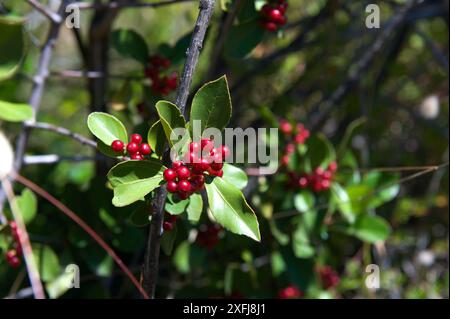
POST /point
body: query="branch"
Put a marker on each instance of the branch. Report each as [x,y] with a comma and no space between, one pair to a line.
[54,158]
[119,5]
[69,213]
[151,261]
[52,16]
[62,131]
[356,72]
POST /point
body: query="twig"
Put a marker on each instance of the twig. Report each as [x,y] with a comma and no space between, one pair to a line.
[119,5]
[53,158]
[52,16]
[62,131]
[321,109]
[151,261]
[33,272]
[69,213]
[21,294]
[94,75]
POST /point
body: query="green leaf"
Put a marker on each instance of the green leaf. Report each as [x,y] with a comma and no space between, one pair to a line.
[181,257]
[320,151]
[234,175]
[15,112]
[212,105]
[301,244]
[47,262]
[175,206]
[231,210]
[107,128]
[60,285]
[176,53]
[195,207]
[370,228]
[304,201]
[156,138]
[132,180]
[343,202]
[129,43]
[12,46]
[171,118]
[168,239]
[349,132]
[141,216]
[27,203]
[242,39]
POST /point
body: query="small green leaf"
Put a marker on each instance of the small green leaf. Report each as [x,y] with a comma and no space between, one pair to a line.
[168,239]
[242,39]
[15,112]
[301,243]
[129,43]
[231,210]
[171,119]
[107,128]
[370,228]
[60,285]
[27,203]
[157,138]
[182,256]
[47,262]
[235,176]
[343,202]
[212,105]
[304,201]
[175,206]
[195,207]
[349,132]
[320,151]
[12,46]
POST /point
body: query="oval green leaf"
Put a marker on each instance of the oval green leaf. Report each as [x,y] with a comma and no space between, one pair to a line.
[15,112]
[107,128]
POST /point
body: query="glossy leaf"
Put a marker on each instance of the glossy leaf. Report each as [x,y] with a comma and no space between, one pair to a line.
[304,201]
[231,210]
[129,43]
[343,202]
[195,207]
[212,105]
[370,228]
[12,46]
[107,128]
[15,112]
[156,138]
[234,175]
[171,118]
[27,203]
[176,206]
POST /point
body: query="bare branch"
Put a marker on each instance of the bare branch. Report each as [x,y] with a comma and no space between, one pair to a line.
[63,131]
[151,262]
[54,158]
[121,5]
[52,16]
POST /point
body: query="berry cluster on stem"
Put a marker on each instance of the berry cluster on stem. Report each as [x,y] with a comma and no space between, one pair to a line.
[328,277]
[156,70]
[208,236]
[273,15]
[295,136]
[13,255]
[290,292]
[188,176]
[135,148]
[319,180]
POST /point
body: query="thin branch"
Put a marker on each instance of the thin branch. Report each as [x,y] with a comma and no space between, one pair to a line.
[24,239]
[151,261]
[54,158]
[119,5]
[321,109]
[69,213]
[94,75]
[62,131]
[52,16]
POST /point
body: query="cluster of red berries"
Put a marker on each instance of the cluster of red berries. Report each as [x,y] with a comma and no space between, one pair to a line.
[290,292]
[169,222]
[188,176]
[273,15]
[297,136]
[318,181]
[135,149]
[13,255]
[328,277]
[161,84]
[208,236]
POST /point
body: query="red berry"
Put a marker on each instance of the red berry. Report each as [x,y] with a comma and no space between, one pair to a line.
[183,172]
[12,258]
[169,174]
[325,184]
[132,147]
[167,226]
[285,160]
[319,171]
[194,147]
[290,148]
[275,15]
[290,292]
[327,175]
[303,182]
[172,187]
[151,72]
[206,144]
[216,166]
[137,156]
[117,146]
[183,195]
[197,182]
[191,158]
[333,167]
[184,186]
[266,9]
[225,151]
[172,81]
[145,149]
[136,138]
[270,26]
